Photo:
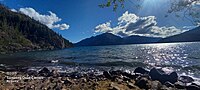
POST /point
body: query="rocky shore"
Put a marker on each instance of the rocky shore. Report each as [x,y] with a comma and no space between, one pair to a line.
[141,79]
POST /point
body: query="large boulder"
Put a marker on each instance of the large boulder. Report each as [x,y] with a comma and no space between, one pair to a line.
[163,77]
[173,77]
[155,74]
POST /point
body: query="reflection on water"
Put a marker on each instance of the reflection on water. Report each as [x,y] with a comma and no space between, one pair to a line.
[181,57]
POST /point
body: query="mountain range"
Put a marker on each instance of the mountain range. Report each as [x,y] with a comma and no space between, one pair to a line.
[111,39]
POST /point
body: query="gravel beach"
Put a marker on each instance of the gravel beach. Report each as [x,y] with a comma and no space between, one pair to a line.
[142,79]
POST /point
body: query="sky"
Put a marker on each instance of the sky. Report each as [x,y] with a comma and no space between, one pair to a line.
[79,19]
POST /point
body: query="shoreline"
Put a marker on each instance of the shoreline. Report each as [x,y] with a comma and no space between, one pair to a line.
[45,79]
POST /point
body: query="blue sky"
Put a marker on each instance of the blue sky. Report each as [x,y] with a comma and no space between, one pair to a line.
[85,18]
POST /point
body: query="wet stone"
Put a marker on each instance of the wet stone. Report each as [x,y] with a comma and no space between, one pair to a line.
[186,79]
[107,75]
[162,77]
[67,81]
[44,72]
[192,87]
[131,85]
[114,87]
[179,85]
[168,84]
[141,70]
[143,83]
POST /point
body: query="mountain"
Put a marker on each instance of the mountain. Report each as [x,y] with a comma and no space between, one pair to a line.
[100,40]
[19,32]
[140,40]
[189,36]
[110,39]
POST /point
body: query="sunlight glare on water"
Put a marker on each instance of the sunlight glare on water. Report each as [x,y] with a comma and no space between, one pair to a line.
[180,57]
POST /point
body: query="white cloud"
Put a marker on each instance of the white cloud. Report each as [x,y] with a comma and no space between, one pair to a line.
[61,26]
[14,10]
[165,31]
[105,27]
[127,18]
[131,24]
[48,20]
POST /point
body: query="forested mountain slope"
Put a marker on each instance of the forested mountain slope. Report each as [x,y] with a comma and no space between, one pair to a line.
[19,32]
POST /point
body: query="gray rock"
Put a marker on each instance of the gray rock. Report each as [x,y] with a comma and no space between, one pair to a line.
[162,77]
[54,73]
[114,87]
[44,72]
[173,77]
[129,75]
[186,79]
[154,74]
[192,87]
[131,85]
[143,83]
[179,85]
[67,81]
[126,78]
[141,70]
[196,84]
[117,72]
[168,84]
[107,75]
[156,85]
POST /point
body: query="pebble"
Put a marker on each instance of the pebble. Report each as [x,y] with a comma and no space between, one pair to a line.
[131,85]
[114,87]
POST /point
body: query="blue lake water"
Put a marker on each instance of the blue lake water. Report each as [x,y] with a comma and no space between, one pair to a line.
[181,57]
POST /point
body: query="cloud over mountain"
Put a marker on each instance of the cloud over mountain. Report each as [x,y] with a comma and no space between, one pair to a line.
[49,20]
[131,24]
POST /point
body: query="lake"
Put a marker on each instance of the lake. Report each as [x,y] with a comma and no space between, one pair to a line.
[183,58]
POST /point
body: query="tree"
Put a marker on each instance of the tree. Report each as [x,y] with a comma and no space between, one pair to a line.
[189,8]
[114,3]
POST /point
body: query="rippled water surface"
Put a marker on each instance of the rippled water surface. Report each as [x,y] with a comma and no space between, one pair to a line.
[181,57]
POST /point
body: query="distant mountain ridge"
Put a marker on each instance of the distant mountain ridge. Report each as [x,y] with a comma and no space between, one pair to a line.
[189,36]
[140,40]
[111,39]
[100,40]
[19,32]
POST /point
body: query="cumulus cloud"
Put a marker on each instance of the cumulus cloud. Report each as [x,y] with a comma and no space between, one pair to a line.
[61,26]
[14,10]
[105,27]
[49,20]
[131,24]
